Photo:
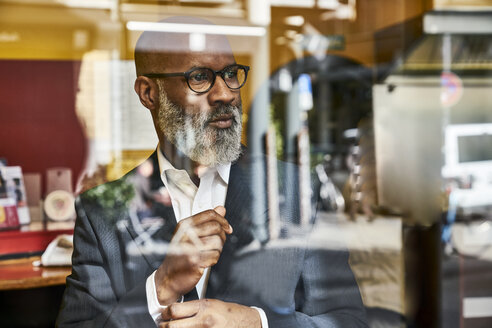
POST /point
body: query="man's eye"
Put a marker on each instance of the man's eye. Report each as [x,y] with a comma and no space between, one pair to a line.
[230,74]
[199,77]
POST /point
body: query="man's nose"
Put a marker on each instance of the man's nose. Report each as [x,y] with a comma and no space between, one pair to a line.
[221,93]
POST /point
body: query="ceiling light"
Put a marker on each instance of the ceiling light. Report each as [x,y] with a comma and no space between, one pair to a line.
[196,28]
[294,20]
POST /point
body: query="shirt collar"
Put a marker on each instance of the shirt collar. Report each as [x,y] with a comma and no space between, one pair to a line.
[164,164]
[222,169]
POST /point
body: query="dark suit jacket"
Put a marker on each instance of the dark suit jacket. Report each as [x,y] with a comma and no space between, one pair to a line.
[295,284]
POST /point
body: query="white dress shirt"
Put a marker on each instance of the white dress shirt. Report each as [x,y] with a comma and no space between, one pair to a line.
[187,199]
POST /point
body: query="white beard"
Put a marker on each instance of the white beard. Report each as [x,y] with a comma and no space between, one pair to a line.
[194,137]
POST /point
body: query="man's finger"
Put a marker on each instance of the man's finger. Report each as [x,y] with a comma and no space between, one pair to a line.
[221,210]
[192,322]
[209,258]
[210,215]
[183,310]
[209,229]
[210,243]
[205,233]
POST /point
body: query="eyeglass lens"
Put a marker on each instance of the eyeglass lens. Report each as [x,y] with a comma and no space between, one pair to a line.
[201,79]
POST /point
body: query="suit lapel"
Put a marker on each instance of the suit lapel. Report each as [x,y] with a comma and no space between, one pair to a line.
[238,196]
[238,204]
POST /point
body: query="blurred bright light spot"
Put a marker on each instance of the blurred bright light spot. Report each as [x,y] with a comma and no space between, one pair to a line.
[80,39]
[281,40]
[485,226]
[93,4]
[9,37]
[329,4]
[291,34]
[285,80]
[196,28]
[294,20]
[293,3]
[197,41]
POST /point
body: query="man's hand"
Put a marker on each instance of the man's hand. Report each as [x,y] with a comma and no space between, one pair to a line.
[196,244]
[209,313]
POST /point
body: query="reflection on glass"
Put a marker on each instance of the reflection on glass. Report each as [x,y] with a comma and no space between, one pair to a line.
[359,149]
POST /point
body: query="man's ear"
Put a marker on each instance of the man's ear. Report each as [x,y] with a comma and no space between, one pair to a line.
[147,91]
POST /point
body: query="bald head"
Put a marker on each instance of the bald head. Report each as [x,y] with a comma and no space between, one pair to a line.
[156,51]
[203,125]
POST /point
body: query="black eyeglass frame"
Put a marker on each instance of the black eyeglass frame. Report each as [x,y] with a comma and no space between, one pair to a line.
[188,73]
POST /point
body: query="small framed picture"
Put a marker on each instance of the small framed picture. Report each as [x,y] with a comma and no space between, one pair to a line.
[8,214]
[12,186]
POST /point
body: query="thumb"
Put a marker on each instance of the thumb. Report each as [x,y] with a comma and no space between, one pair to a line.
[220,210]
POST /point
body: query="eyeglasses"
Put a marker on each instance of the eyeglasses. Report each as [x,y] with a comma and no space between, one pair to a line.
[202,79]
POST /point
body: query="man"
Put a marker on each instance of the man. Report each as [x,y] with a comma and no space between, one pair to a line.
[173,242]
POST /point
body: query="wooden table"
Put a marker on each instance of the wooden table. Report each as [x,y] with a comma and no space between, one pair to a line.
[22,274]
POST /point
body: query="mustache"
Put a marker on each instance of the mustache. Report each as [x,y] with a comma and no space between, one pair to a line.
[225,110]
